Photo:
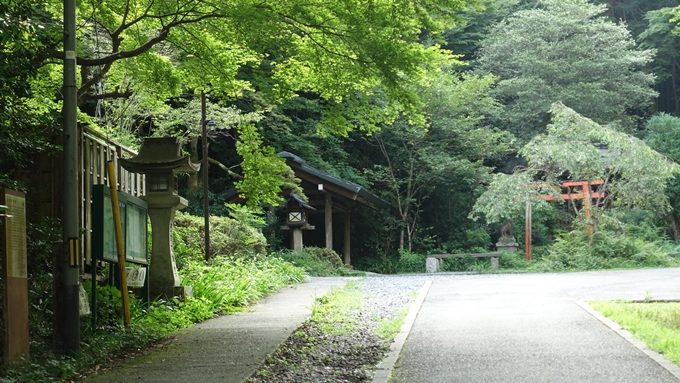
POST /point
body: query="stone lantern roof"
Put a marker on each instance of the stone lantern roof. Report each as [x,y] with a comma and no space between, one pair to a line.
[160,154]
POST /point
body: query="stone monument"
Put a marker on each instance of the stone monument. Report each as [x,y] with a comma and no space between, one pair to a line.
[160,160]
[506,242]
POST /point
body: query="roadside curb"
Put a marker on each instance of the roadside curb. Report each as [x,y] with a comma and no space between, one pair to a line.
[661,360]
[384,369]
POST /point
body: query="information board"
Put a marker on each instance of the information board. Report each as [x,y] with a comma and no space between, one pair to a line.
[133,213]
[14,289]
[15,236]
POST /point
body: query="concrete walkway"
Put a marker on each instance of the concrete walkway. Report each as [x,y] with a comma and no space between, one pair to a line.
[228,348]
[529,328]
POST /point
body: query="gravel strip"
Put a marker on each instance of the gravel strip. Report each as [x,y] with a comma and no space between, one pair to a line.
[309,355]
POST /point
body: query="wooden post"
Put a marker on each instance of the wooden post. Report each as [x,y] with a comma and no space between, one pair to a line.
[346,248]
[328,213]
[587,208]
[527,232]
[120,244]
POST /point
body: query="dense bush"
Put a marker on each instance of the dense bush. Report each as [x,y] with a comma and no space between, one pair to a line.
[573,251]
[229,284]
[382,264]
[315,261]
[410,262]
[228,237]
[513,260]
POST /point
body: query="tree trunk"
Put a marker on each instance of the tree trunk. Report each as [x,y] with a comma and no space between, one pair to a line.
[675,226]
[401,239]
[193,177]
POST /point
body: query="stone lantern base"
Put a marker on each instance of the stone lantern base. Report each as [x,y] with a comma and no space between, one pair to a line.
[506,243]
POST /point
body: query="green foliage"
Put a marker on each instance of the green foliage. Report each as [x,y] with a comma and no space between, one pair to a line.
[466,264]
[228,237]
[418,163]
[27,125]
[184,121]
[410,262]
[148,48]
[506,197]
[380,263]
[465,38]
[636,175]
[232,284]
[43,240]
[607,249]
[315,261]
[659,35]
[663,135]
[265,174]
[565,51]
[513,261]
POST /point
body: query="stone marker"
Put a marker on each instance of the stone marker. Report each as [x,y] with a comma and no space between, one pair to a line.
[431,265]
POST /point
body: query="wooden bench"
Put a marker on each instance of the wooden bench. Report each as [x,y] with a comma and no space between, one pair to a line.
[434,262]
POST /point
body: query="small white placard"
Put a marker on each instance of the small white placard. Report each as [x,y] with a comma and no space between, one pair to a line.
[84,301]
[136,276]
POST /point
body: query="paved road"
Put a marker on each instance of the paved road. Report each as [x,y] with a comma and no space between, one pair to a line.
[528,328]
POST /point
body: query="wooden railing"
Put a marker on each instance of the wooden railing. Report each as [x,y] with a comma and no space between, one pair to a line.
[95,151]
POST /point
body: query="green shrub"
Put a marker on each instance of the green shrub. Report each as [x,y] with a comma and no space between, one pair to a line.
[315,261]
[513,260]
[229,284]
[572,251]
[410,262]
[381,264]
[228,237]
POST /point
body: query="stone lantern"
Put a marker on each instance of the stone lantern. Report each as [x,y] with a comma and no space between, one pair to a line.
[296,218]
[159,160]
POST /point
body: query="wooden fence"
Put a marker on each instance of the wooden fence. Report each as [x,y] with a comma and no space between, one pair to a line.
[44,180]
[94,152]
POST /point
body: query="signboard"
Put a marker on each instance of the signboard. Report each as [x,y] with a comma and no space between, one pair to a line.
[15,236]
[14,275]
[133,213]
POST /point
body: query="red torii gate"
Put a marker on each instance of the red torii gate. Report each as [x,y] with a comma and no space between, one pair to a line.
[585,193]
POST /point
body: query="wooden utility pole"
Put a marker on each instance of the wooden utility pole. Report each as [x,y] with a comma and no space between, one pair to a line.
[204,172]
[527,233]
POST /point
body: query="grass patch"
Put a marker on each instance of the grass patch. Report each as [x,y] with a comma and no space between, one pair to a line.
[332,313]
[655,323]
[389,327]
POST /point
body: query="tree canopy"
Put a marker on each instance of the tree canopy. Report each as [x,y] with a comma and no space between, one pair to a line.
[422,101]
[334,49]
[567,51]
[635,175]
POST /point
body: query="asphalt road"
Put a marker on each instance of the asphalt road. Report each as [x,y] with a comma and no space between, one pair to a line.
[529,328]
